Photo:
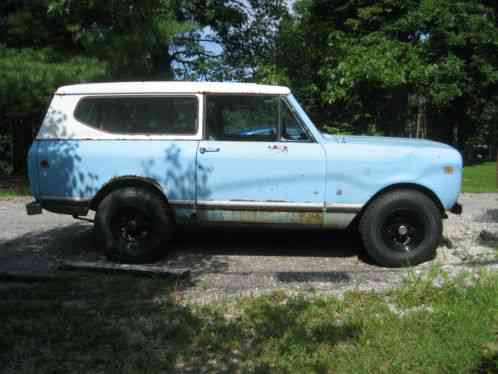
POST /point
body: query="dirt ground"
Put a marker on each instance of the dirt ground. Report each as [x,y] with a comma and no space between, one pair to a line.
[242,262]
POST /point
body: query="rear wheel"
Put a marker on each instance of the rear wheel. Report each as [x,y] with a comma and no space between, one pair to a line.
[133,225]
[401,228]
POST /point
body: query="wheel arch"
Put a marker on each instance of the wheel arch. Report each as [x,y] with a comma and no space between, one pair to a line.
[402,186]
[127,181]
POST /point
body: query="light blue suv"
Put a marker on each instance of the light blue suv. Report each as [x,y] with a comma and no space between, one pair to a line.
[148,156]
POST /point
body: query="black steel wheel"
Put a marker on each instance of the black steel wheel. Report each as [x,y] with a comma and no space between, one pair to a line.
[401,228]
[133,225]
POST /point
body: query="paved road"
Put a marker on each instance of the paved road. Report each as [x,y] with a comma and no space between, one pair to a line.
[227,262]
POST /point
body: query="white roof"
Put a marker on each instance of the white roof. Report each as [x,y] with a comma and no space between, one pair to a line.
[171,87]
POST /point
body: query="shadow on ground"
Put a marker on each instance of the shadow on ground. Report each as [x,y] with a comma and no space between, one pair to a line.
[84,322]
[195,247]
[489,216]
[200,250]
[109,323]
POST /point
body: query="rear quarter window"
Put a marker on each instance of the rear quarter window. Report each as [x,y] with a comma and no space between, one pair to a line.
[140,115]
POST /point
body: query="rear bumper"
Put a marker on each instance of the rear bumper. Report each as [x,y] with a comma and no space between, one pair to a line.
[457,209]
[62,206]
[33,208]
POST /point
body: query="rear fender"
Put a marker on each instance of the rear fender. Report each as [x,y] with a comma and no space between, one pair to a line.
[127,181]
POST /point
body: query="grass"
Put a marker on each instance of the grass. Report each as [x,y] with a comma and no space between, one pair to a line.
[480,178]
[104,323]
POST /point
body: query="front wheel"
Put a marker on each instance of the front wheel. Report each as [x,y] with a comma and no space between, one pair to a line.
[402,228]
[133,225]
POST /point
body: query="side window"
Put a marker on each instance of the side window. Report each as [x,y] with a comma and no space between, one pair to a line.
[140,115]
[292,129]
[242,117]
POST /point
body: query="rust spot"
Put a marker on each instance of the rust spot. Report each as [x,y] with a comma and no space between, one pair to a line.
[266,217]
[248,216]
[310,218]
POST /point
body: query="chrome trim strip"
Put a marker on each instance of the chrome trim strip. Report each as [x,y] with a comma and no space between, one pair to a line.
[238,205]
[343,208]
[260,205]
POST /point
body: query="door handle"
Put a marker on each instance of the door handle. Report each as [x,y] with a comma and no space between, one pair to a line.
[208,149]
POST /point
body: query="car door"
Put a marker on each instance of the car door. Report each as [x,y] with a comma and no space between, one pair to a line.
[257,164]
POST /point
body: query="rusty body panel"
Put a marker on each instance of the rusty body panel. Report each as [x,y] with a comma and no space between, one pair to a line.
[260,217]
[264,212]
[269,212]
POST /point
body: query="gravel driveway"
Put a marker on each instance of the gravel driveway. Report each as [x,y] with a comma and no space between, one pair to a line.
[230,262]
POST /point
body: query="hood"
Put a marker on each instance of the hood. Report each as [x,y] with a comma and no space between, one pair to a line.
[383,141]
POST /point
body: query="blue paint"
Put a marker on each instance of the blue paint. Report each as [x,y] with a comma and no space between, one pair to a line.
[262,171]
[33,170]
[79,168]
[361,166]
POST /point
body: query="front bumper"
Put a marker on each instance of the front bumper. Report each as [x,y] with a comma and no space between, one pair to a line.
[457,209]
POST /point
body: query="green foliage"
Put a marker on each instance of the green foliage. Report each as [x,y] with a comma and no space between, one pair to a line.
[28,77]
[133,35]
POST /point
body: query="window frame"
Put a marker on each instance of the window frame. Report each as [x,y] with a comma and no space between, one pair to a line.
[279,139]
[300,122]
[204,125]
[197,111]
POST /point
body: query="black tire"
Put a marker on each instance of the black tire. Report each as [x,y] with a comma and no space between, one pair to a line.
[133,225]
[401,228]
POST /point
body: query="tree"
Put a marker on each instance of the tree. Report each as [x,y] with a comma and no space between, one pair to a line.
[377,66]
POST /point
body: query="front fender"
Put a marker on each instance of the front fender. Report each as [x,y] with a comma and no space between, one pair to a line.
[356,173]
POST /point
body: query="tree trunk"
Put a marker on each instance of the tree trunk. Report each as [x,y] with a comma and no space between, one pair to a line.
[162,64]
[421,118]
